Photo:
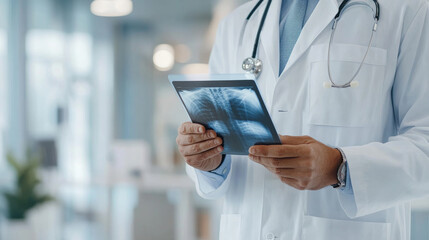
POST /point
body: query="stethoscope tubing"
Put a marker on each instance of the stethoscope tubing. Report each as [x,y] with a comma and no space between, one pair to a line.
[334,27]
[344,3]
[257,69]
[261,25]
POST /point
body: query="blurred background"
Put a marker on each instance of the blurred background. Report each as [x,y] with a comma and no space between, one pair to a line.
[88,120]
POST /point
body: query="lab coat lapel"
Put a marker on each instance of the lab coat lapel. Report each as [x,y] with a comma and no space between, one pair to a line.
[270,36]
[322,15]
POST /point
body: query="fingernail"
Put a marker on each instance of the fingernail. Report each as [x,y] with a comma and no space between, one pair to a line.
[201,130]
[212,134]
[252,150]
[219,149]
[217,141]
[251,157]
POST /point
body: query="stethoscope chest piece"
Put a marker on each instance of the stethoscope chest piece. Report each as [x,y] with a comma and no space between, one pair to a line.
[253,66]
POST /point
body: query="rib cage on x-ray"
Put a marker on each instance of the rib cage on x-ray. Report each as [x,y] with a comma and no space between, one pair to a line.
[234,113]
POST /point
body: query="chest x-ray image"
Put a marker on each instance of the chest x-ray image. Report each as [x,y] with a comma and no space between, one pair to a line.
[237,115]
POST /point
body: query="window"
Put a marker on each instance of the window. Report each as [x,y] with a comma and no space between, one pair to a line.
[3,74]
[59,90]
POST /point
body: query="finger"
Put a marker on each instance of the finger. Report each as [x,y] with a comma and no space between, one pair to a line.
[193,159]
[294,140]
[276,151]
[190,128]
[292,182]
[272,170]
[200,147]
[189,139]
[294,162]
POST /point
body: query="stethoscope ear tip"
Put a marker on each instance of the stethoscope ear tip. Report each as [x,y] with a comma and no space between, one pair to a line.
[327,85]
[354,84]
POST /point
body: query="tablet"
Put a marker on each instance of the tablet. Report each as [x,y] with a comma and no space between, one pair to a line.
[234,109]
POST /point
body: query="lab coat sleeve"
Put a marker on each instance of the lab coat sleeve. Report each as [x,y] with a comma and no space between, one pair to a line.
[396,172]
[218,64]
[348,189]
[204,184]
[213,179]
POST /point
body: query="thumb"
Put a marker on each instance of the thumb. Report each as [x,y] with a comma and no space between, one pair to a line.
[294,140]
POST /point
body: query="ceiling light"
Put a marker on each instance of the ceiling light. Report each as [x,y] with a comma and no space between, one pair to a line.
[111,8]
[163,57]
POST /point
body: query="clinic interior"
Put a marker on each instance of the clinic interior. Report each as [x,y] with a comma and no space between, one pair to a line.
[89,96]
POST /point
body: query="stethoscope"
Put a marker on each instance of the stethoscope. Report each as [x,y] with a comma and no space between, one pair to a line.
[254,66]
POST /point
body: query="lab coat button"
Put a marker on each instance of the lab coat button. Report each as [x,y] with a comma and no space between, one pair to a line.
[269,236]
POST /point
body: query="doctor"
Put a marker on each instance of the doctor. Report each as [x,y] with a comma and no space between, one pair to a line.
[354,104]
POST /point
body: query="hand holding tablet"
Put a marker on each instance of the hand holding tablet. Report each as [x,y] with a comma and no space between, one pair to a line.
[201,148]
[234,109]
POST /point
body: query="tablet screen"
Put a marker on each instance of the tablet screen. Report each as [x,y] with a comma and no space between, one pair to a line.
[234,109]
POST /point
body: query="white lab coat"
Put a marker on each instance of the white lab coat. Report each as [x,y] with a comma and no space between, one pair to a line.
[382,125]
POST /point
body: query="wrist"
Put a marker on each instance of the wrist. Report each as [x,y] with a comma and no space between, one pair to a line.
[341,171]
[337,161]
[222,159]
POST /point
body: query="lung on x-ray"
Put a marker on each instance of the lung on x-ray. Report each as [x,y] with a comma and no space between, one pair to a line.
[236,113]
